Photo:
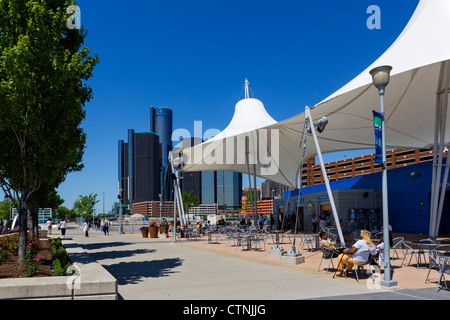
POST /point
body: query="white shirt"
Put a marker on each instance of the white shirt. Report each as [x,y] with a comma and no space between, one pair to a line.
[362,254]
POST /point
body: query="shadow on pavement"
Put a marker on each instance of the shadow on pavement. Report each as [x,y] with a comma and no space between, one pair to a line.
[134,272]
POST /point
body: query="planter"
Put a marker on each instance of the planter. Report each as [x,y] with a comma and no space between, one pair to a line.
[144,233]
[164,230]
[153,232]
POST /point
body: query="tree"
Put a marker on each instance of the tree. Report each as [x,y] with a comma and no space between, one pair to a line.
[43,70]
[84,205]
[65,212]
[189,200]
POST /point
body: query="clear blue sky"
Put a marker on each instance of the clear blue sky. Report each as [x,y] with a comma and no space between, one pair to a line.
[193,57]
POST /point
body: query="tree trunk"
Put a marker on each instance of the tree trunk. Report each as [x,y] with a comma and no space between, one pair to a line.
[22,232]
[34,232]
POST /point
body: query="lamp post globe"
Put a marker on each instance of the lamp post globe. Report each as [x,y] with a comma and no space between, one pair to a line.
[381,76]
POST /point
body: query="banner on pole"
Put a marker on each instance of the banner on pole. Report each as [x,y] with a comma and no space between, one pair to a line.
[377,118]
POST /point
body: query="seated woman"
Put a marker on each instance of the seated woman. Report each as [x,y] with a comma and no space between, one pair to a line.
[358,254]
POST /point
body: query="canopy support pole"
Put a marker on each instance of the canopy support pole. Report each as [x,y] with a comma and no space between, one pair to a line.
[324,173]
[436,206]
[255,192]
[178,201]
[250,183]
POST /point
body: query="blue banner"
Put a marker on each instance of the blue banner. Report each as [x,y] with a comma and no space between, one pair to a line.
[377,118]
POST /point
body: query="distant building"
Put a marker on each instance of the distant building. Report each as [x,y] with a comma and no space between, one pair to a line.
[192,181]
[229,190]
[142,160]
[271,190]
[139,167]
[209,187]
[161,124]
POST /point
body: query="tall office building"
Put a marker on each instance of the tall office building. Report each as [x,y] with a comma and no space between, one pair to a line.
[161,124]
[209,187]
[139,164]
[192,181]
[229,189]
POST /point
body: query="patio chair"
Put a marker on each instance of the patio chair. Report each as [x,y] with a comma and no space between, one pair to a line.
[434,262]
[413,250]
[397,244]
[256,242]
[444,268]
[327,254]
[308,241]
[286,235]
[360,267]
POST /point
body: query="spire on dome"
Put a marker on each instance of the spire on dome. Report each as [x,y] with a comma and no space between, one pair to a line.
[247,96]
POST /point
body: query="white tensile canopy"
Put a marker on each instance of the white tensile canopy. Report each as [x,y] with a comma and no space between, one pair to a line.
[415,110]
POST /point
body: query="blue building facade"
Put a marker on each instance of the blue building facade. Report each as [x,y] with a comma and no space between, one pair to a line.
[409,193]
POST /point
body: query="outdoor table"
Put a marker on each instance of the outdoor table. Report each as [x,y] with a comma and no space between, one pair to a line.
[425,246]
[277,235]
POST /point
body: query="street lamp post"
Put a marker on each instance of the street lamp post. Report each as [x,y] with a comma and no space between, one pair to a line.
[380,79]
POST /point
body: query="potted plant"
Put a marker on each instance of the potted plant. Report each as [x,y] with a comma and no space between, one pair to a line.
[164,228]
[144,231]
[153,230]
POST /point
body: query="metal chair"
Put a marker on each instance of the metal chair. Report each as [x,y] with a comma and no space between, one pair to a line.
[434,262]
[256,242]
[358,266]
[286,235]
[444,268]
[327,254]
[412,249]
[308,241]
[397,244]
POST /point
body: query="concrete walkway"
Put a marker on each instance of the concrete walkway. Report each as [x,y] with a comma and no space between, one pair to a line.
[149,269]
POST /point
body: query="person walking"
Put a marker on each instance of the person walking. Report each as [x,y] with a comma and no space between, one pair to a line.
[314,223]
[63,226]
[49,225]
[86,228]
[106,227]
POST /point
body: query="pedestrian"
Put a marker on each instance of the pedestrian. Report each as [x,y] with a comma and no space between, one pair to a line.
[322,220]
[49,225]
[106,227]
[314,223]
[63,226]
[86,228]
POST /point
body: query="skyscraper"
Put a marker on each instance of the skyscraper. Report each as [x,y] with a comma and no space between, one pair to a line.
[139,163]
[229,189]
[192,181]
[161,124]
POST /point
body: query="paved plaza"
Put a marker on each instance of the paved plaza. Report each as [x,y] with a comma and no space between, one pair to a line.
[157,269]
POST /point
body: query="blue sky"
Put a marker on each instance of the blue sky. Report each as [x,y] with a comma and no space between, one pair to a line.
[194,56]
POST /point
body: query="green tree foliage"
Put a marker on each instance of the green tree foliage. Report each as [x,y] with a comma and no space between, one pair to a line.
[84,205]
[44,67]
[189,200]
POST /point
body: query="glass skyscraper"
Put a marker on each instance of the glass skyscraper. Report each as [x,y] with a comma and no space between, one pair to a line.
[229,189]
